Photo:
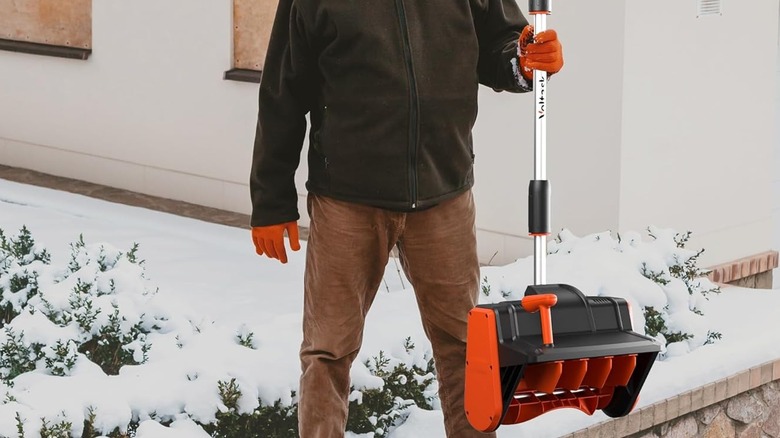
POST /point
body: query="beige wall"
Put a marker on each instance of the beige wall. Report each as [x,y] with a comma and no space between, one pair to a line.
[252,21]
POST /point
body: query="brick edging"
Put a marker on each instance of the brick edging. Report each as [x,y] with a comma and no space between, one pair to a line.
[683,404]
[744,267]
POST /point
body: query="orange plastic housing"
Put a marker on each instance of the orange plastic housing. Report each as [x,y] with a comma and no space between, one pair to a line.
[586,384]
[483,381]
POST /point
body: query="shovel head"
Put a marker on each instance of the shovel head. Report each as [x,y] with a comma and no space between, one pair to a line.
[591,360]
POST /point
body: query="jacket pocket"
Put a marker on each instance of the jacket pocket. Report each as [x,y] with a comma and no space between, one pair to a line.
[318,140]
[318,160]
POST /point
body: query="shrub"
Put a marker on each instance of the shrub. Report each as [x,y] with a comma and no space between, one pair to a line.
[95,308]
[21,261]
[374,411]
[275,421]
[63,429]
[17,356]
[379,410]
[82,300]
[683,267]
[659,276]
[110,332]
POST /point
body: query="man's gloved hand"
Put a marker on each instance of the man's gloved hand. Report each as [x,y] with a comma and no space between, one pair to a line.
[269,240]
[539,52]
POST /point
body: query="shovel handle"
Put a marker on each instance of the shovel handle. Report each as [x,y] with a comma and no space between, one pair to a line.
[540,10]
[539,189]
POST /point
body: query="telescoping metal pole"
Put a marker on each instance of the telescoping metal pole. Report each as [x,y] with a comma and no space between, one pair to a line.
[539,188]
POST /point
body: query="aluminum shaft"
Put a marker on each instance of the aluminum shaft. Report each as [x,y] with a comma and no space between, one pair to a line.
[540,151]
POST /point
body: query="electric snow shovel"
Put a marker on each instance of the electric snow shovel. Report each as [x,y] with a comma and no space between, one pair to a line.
[555,348]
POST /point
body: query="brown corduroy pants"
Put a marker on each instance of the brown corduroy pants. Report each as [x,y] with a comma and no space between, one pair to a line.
[348,248]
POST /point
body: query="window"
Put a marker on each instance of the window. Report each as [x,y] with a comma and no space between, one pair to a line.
[47,27]
[252,22]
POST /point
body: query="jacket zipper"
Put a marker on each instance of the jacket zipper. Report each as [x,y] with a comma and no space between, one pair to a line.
[413,101]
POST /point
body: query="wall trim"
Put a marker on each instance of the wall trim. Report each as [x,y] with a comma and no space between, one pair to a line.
[45,49]
[745,267]
[690,401]
[243,75]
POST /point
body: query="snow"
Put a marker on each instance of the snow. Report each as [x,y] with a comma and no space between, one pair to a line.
[211,289]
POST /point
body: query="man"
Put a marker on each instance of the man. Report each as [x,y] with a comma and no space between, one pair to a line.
[391,89]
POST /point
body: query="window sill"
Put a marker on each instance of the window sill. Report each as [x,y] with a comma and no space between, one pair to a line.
[44,49]
[244,75]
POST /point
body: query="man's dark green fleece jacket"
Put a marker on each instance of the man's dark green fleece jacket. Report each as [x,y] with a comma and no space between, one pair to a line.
[391,89]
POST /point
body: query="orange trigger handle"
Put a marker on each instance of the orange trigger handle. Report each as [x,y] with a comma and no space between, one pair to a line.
[542,304]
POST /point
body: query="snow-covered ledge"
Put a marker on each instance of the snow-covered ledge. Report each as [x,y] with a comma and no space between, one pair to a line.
[745,404]
[754,271]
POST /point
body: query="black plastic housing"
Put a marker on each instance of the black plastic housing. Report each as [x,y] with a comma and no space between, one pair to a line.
[583,327]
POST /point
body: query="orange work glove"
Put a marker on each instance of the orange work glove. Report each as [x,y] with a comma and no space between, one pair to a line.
[539,52]
[269,240]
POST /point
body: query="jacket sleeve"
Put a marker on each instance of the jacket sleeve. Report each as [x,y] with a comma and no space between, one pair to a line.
[498,24]
[286,92]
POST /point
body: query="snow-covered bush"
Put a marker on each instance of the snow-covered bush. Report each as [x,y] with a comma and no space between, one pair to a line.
[55,318]
[661,279]
[17,356]
[21,261]
[275,421]
[91,308]
[63,429]
[683,267]
[377,410]
[374,411]
[90,350]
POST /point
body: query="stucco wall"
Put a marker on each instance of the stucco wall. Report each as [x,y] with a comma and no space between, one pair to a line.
[697,128]
[150,112]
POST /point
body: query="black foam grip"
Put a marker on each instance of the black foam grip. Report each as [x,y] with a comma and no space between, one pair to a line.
[539,5]
[539,207]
